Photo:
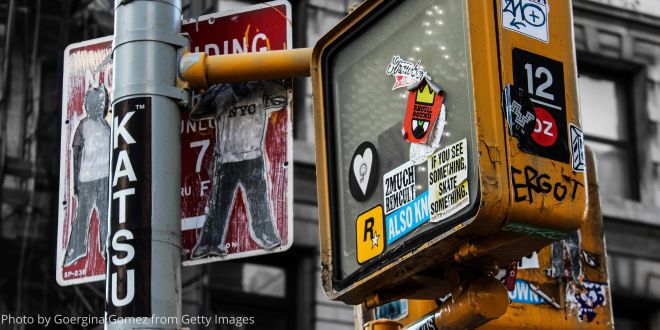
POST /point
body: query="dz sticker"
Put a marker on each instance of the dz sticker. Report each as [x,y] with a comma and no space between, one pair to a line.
[363,171]
[369,230]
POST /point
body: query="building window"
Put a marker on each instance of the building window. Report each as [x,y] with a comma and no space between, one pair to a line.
[604,100]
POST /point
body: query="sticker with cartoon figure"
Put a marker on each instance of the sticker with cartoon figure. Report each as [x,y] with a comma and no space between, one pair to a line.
[363,171]
[369,238]
[448,181]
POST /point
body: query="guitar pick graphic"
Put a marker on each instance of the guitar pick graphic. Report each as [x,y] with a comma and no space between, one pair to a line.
[362,169]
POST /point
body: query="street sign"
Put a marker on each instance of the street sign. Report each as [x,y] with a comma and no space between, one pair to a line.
[459,165]
[256,142]
[256,28]
[84,162]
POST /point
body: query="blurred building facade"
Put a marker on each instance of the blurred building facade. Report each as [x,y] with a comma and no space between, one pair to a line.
[618,52]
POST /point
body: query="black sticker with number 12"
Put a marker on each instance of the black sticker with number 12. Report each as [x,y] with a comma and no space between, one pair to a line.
[543,80]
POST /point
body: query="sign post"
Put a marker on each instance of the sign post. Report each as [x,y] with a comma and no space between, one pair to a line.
[144,242]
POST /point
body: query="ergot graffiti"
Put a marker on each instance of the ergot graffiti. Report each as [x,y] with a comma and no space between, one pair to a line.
[541,183]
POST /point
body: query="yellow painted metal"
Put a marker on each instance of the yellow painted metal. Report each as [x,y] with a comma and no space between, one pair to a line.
[545,211]
[525,316]
[483,300]
[382,325]
[200,70]
[481,244]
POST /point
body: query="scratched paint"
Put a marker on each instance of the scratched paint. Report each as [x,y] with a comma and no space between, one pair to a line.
[85,68]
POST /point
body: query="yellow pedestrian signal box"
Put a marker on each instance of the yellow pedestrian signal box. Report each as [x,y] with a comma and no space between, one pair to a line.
[448,133]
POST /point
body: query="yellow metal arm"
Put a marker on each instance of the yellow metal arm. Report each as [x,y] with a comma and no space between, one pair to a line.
[200,70]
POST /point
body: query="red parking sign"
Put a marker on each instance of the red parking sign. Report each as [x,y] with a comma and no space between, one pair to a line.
[84,162]
[237,191]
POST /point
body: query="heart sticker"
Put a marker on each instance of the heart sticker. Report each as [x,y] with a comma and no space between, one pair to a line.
[363,171]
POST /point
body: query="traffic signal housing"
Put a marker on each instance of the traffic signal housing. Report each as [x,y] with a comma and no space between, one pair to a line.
[447,135]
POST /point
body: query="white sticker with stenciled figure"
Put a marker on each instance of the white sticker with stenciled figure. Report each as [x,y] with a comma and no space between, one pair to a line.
[399,187]
[448,181]
[528,17]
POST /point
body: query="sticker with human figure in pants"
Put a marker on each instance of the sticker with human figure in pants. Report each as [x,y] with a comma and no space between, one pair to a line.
[84,162]
[267,120]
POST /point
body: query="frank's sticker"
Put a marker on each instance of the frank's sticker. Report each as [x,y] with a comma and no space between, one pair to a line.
[424,105]
[370,241]
[405,73]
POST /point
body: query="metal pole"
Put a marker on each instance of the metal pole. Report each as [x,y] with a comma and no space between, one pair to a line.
[143,286]
[200,70]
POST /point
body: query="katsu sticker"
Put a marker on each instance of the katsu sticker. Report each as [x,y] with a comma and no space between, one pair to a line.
[405,73]
[399,187]
[448,181]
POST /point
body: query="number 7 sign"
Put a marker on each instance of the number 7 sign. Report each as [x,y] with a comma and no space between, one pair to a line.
[236,146]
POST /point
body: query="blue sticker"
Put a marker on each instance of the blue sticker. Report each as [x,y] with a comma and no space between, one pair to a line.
[407,218]
[524,294]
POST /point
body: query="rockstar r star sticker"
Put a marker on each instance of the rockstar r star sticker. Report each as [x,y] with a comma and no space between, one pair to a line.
[370,243]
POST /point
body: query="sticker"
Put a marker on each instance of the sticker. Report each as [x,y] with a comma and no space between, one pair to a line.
[530,261]
[509,279]
[543,81]
[363,171]
[448,181]
[128,284]
[399,187]
[566,261]
[405,73]
[427,323]
[424,105]
[578,159]
[523,293]
[592,260]
[407,218]
[528,17]
[395,310]
[519,111]
[370,241]
[419,153]
[586,298]
[532,230]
